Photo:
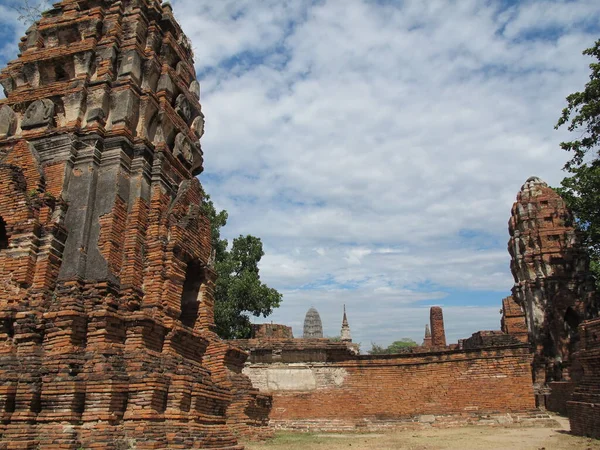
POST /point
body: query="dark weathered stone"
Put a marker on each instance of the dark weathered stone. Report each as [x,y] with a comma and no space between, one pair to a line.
[131,65]
[182,107]
[198,126]
[195,89]
[183,148]
[166,84]
[39,113]
[8,121]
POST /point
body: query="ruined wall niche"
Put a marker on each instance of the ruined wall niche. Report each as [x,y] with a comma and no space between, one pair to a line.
[68,35]
[3,234]
[168,55]
[191,297]
[572,320]
[58,71]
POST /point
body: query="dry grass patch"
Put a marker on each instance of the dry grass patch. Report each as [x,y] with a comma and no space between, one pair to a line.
[472,438]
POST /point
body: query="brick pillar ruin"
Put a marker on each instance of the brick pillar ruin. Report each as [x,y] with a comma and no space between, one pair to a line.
[513,319]
[106,289]
[436,320]
[553,284]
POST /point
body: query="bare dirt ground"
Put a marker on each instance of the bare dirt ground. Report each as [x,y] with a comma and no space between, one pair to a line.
[465,438]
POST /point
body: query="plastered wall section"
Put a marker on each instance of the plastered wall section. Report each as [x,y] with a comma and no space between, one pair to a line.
[400,386]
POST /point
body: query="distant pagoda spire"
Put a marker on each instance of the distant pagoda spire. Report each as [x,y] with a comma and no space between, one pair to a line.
[345,333]
[313,327]
[427,340]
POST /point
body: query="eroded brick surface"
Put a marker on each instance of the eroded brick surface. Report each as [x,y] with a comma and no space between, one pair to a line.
[553,284]
[271,331]
[322,384]
[513,319]
[584,407]
[106,286]
[351,392]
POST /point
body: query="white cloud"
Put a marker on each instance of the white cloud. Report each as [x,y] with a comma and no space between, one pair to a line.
[376,147]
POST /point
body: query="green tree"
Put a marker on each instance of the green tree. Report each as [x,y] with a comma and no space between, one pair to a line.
[239,292]
[581,189]
[394,347]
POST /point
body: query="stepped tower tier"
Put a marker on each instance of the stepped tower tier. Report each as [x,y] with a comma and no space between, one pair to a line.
[106,283]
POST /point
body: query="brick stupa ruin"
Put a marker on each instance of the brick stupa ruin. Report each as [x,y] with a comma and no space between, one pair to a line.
[106,284]
[553,283]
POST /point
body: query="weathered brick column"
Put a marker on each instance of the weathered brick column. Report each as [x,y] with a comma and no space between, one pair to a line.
[436,320]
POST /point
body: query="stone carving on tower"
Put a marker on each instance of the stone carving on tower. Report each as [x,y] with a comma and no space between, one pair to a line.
[313,327]
[106,282]
[553,284]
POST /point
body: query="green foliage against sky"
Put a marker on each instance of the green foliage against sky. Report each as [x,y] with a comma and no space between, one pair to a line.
[581,188]
[394,347]
[239,292]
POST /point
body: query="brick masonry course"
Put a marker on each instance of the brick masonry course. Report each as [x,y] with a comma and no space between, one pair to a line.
[106,281]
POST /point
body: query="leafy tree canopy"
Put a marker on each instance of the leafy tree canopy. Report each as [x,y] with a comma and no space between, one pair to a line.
[239,292]
[394,347]
[581,189]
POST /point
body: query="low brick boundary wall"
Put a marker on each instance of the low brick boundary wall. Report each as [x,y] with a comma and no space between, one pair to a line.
[473,382]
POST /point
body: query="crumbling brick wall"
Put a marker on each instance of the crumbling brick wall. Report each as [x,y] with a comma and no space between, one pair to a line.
[584,406]
[513,320]
[312,383]
[271,331]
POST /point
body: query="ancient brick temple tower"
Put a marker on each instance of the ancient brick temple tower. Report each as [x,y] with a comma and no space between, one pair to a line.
[552,280]
[106,284]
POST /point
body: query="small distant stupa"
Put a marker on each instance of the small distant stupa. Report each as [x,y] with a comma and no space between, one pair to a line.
[427,341]
[313,327]
[345,333]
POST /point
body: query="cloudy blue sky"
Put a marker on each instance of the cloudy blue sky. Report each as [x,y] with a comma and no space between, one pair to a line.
[377,146]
